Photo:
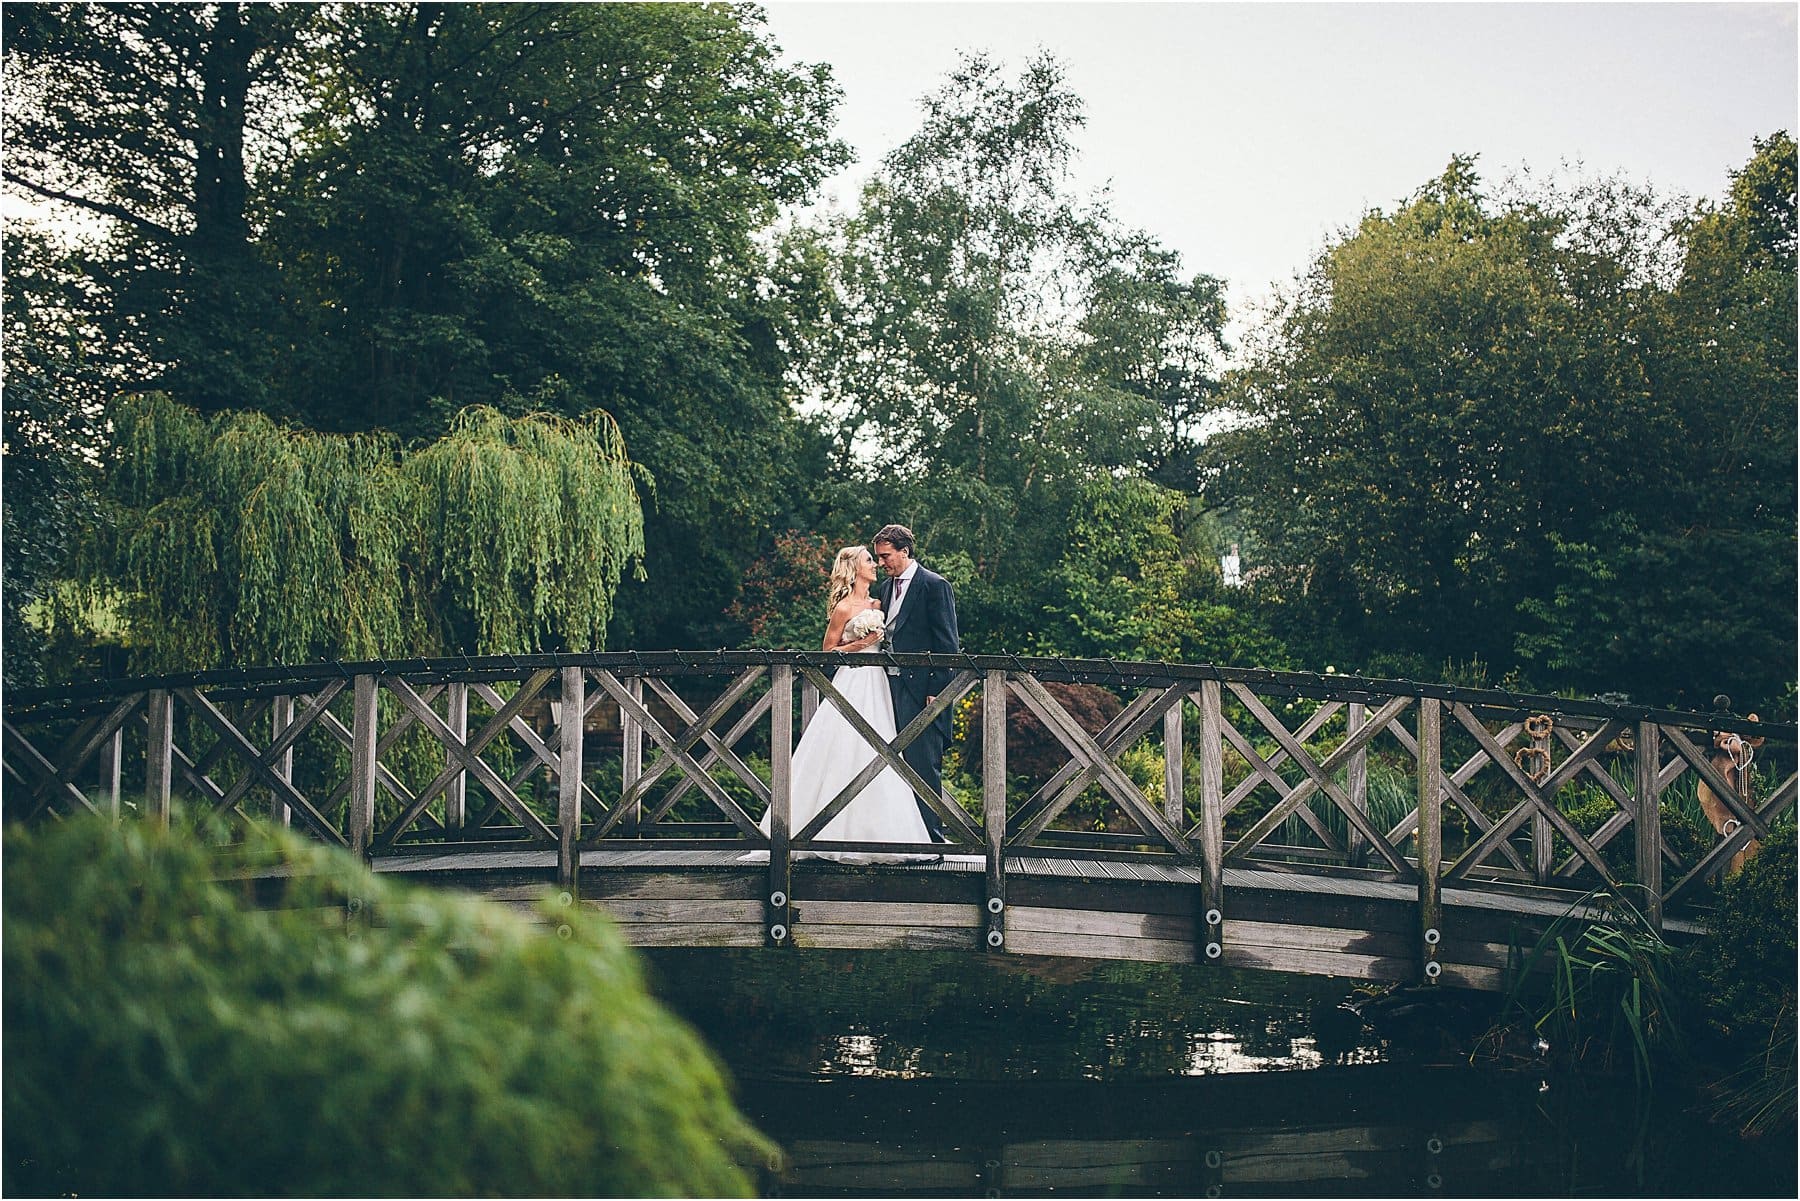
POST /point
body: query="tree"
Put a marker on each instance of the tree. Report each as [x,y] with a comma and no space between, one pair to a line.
[366,218]
[1688,590]
[1001,353]
[1471,420]
[56,388]
[556,207]
[1151,335]
[237,541]
[152,117]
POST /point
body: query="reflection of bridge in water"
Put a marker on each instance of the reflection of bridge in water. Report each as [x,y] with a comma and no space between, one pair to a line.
[1326,824]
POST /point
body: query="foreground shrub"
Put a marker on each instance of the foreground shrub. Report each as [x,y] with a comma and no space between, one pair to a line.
[1747,970]
[167,1034]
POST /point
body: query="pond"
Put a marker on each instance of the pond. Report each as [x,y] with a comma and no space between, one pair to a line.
[947,1074]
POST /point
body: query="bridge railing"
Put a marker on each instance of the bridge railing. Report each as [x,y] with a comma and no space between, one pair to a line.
[1210,768]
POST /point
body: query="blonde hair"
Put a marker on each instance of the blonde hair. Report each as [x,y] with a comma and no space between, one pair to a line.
[843,575]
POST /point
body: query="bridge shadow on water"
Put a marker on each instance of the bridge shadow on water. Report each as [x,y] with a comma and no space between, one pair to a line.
[941,1074]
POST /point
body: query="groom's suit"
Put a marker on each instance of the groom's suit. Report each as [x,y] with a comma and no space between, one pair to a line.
[926,622]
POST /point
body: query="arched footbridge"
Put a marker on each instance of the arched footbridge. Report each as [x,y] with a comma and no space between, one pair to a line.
[1378,829]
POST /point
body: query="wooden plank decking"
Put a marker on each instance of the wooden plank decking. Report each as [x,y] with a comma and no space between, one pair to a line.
[1311,922]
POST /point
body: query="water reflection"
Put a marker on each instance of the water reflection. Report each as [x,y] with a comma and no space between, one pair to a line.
[958,1075]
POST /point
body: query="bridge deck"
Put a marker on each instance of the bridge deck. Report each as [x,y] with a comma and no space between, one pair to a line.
[1293,920]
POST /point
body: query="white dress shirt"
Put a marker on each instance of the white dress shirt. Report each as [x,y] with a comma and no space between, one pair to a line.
[902,586]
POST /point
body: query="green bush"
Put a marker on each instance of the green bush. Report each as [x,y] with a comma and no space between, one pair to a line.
[1749,964]
[170,1029]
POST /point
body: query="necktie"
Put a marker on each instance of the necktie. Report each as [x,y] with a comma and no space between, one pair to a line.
[899,590]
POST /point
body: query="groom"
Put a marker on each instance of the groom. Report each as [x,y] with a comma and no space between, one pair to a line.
[920,613]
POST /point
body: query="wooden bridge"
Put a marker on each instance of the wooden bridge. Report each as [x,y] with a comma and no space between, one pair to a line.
[1368,828]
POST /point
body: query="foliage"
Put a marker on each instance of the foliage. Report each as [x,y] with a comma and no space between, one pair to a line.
[557,207]
[1433,414]
[1614,987]
[403,210]
[1033,753]
[1748,965]
[54,392]
[1129,590]
[782,597]
[1747,971]
[165,1034]
[999,355]
[529,523]
[239,541]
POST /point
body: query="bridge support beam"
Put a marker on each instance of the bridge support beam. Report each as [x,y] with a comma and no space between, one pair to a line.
[568,777]
[1647,821]
[159,754]
[113,771]
[362,764]
[993,803]
[456,793]
[281,716]
[1356,781]
[1212,823]
[1431,835]
[631,750]
[778,899]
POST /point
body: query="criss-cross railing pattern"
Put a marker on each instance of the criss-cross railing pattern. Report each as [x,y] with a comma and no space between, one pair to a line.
[1210,767]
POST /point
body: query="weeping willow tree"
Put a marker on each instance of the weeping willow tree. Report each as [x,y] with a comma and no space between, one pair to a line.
[529,524]
[237,541]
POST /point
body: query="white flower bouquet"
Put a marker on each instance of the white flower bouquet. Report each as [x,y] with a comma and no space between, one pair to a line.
[869,621]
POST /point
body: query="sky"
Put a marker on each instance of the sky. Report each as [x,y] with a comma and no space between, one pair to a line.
[1246,135]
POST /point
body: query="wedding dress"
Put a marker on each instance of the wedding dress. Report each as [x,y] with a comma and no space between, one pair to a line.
[830,755]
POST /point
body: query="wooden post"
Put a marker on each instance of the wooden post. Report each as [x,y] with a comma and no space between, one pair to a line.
[1173,785]
[809,703]
[1212,823]
[113,771]
[456,795]
[362,765]
[1356,780]
[1543,849]
[1648,820]
[631,744]
[568,777]
[281,716]
[781,753]
[159,755]
[993,802]
[1431,835]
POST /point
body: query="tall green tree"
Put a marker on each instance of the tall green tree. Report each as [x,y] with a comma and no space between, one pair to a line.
[558,207]
[1687,587]
[367,218]
[1001,349]
[57,383]
[1473,414]
[151,118]
[1152,336]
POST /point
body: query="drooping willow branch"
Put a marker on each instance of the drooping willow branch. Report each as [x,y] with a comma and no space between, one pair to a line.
[236,540]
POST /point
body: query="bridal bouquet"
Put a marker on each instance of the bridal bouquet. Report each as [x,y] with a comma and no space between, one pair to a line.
[869,621]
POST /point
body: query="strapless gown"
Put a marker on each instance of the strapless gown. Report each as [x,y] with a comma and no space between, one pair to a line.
[831,754]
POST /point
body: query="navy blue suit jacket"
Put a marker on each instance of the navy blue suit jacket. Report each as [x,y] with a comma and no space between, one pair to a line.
[926,623]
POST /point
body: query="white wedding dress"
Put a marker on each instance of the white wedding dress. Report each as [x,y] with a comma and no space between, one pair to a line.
[830,755]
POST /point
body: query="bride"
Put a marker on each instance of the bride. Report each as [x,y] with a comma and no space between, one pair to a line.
[831,753]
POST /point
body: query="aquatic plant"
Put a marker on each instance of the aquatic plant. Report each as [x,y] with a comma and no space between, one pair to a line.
[1613,986]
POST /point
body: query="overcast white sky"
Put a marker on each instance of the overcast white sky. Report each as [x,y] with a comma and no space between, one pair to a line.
[1243,135]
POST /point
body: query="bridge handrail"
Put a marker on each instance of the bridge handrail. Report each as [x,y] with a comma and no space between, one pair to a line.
[69,700]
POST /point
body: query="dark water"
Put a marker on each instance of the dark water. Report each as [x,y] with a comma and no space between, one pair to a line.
[922,1074]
